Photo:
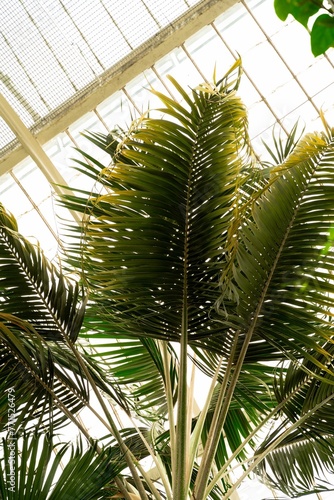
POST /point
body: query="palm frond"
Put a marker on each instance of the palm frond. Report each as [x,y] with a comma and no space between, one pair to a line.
[45,377]
[30,368]
[299,465]
[305,455]
[306,387]
[31,467]
[135,369]
[158,234]
[34,289]
[282,148]
[280,284]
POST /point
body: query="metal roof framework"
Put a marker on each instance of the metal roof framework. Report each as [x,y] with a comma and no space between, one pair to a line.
[49,106]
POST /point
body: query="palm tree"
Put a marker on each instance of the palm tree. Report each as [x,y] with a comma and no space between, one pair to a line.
[195,258]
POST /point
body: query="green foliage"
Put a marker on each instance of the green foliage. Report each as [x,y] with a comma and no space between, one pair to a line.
[41,314]
[38,473]
[322,28]
[193,256]
[322,34]
[51,302]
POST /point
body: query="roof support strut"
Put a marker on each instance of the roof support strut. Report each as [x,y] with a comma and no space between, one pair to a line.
[34,149]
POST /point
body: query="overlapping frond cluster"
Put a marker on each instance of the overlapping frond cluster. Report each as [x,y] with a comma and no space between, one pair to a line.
[281,269]
[46,299]
[41,313]
[188,238]
[155,241]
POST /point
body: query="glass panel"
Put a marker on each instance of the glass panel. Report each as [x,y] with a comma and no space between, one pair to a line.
[324,101]
[12,197]
[306,115]
[32,226]
[265,15]
[209,52]
[33,181]
[293,43]
[286,98]
[320,74]
[246,36]
[265,67]
[260,118]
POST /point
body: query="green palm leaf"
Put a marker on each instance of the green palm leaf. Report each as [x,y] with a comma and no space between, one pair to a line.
[136,368]
[309,395]
[32,468]
[34,289]
[154,243]
[30,368]
[40,317]
[313,458]
[309,387]
[133,365]
[47,379]
[280,280]
[301,462]
[281,149]
[183,216]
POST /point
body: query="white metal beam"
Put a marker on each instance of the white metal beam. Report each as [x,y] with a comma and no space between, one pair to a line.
[33,149]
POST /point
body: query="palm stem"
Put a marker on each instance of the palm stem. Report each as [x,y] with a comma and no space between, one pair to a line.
[180,475]
[170,404]
[130,459]
[149,482]
[215,429]
[196,435]
[158,464]
[123,489]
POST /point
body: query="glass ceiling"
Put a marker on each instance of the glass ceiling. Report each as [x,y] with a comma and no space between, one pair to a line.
[76,41]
